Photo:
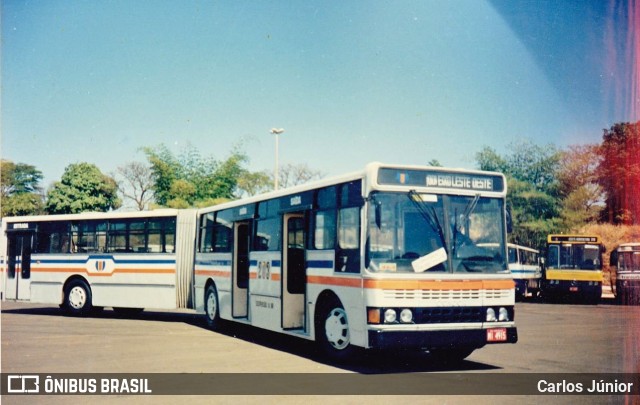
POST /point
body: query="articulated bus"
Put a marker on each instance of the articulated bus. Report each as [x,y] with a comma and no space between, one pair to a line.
[574,267]
[625,274]
[391,257]
[128,261]
[524,264]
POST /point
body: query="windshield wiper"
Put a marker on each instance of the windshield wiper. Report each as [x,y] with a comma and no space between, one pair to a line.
[465,217]
[429,214]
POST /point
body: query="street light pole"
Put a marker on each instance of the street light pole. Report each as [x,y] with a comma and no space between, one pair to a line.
[276,132]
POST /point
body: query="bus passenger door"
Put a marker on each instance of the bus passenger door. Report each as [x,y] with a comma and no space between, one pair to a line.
[240,279]
[293,272]
[18,278]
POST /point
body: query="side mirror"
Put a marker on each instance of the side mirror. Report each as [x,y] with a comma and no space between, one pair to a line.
[509,220]
[378,214]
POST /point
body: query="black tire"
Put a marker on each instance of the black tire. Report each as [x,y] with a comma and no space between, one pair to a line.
[332,331]
[212,308]
[77,298]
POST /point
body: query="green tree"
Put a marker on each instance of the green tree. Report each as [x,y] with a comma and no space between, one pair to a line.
[582,196]
[619,173]
[20,192]
[533,188]
[82,188]
[188,179]
[252,183]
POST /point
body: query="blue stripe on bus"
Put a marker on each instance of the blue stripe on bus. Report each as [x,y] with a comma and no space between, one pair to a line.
[119,261]
[275,263]
[214,262]
[320,264]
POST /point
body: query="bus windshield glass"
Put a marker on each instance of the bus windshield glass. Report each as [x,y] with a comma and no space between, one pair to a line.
[629,261]
[574,256]
[411,232]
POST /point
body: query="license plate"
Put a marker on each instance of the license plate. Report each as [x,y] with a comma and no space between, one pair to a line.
[573,289]
[497,335]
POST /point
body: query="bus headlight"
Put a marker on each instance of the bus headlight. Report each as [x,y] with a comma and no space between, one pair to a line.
[390,315]
[406,316]
[503,315]
[491,315]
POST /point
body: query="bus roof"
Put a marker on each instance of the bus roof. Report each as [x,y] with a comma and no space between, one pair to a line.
[165,212]
[394,176]
[559,238]
[513,245]
[628,246]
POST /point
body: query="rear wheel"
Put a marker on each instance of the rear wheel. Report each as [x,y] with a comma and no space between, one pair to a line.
[212,308]
[77,298]
[332,328]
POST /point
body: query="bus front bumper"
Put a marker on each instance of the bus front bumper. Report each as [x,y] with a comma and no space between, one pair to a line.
[431,339]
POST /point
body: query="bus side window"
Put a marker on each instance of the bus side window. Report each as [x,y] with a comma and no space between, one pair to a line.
[52,237]
[324,234]
[348,252]
[349,228]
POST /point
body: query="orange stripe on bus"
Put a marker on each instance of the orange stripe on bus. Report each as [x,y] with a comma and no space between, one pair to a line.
[215,273]
[439,284]
[339,281]
[275,276]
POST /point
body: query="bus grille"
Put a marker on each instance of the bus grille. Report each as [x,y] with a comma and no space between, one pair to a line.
[445,294]
[448,315]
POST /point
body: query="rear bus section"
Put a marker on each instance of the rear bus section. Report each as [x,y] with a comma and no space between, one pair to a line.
[127,261]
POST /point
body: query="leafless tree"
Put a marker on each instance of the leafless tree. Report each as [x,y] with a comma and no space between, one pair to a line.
[292,175]
[135,183]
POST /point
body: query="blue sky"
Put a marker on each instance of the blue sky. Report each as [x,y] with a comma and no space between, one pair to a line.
[350,82]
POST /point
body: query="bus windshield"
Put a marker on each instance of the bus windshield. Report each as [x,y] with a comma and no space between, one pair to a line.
[629,261]
[411,232]
[575,256]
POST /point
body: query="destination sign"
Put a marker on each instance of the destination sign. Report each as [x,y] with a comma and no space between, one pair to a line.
[574,238]
[441,179]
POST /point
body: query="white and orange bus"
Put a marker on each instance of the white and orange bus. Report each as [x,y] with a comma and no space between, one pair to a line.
[391,257]
[128,261]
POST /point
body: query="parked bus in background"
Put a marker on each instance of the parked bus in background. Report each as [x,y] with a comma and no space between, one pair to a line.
[625,273]
[573,267]
[524,264]
[128,261]
[390,257]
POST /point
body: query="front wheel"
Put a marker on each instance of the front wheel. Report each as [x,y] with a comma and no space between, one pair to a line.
[332,326]
[77,298]
[212,308]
